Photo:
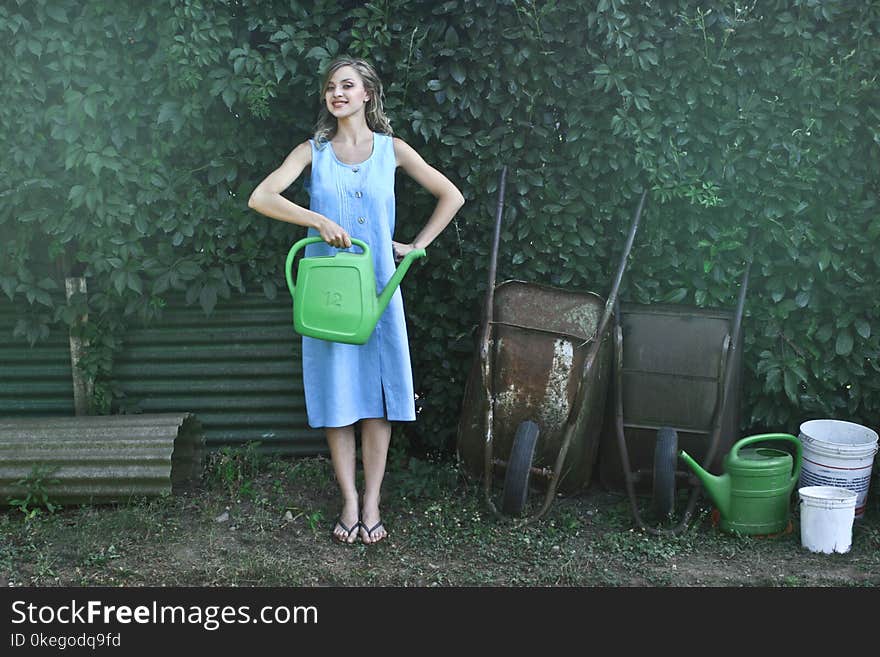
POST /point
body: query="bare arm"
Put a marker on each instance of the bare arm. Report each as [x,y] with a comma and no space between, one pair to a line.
[449,199]
[267,199]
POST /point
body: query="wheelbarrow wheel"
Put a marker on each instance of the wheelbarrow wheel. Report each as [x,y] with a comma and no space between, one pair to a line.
[519,468]
[665,455]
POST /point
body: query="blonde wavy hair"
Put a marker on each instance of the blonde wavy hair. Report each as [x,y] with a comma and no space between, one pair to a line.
[325,128]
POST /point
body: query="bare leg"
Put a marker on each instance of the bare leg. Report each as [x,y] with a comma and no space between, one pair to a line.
[343,454]
[375,438]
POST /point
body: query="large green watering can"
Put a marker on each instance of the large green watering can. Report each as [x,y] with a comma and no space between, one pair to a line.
[754,492]
[334,297]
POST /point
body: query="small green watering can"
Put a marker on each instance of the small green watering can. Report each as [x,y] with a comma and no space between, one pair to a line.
[335,296]
[754,492]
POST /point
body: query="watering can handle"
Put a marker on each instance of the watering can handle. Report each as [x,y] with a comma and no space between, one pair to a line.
[796,471]
[288,266]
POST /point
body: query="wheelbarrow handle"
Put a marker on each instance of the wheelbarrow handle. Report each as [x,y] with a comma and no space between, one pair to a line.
[489,309]
[485,338]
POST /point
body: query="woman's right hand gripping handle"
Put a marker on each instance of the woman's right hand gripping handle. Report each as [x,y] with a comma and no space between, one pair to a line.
[333,233]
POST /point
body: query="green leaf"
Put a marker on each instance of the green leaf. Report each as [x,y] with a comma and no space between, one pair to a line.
[773,380]
[8,285]
[791,386]
[192,293]
[208,298]
[785,308]
[228,96]
[233,276]
[844,343]
[140,222]
[188,269]
[318,53]
[167,111]
[162,283]
[118,278]
[863,328]
[457,72]
[853,274]
[90,106]
[56,13]
[798,371]
[675,296]
[135,284]
[451,39]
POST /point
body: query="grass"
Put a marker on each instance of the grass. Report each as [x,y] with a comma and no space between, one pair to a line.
[258,521]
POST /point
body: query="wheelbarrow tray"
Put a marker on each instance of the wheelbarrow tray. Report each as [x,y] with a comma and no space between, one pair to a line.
[671,376]
[540,337]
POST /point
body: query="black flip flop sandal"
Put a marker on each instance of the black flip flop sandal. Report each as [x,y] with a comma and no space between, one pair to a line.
[371,530]
[348,531]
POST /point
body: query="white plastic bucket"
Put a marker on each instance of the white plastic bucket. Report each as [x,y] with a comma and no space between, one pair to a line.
[838,453]
[827,514]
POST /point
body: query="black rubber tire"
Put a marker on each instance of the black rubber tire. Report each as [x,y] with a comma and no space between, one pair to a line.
[519,468]
[665,459]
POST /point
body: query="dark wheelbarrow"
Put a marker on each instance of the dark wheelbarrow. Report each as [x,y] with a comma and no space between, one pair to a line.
[675,383]
[534,400]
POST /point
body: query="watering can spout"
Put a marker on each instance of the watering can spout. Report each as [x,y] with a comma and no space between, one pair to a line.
[717,487]
[394,282]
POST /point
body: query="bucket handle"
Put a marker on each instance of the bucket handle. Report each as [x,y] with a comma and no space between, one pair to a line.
[796,470]
[288,266]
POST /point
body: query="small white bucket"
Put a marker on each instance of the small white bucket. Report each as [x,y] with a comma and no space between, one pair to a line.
[838,453]
[827,515]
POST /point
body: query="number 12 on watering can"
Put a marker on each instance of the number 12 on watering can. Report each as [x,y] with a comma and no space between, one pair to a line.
[334,297]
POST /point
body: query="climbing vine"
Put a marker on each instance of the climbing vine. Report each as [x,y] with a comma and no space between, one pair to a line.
[136,131]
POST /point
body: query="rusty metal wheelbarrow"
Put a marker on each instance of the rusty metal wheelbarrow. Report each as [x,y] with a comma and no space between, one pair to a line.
[535,397]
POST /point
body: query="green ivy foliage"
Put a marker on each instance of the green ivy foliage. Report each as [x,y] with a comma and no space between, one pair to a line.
[136,131]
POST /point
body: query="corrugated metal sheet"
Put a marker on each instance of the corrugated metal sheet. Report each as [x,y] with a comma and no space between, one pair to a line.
[237,370]
[34,381]
[102,459]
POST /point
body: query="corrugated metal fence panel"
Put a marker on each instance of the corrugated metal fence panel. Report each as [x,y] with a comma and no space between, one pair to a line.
[102,458]
[34,381]
[237,370]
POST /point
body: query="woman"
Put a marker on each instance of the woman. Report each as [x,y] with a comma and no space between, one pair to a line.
[353,158]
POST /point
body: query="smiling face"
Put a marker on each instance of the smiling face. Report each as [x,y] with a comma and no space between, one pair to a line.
[350,89]
[345,94]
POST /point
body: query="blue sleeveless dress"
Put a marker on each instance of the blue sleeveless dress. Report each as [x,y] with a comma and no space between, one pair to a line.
[343,382]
